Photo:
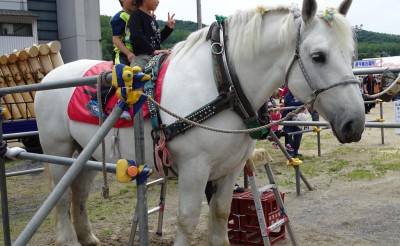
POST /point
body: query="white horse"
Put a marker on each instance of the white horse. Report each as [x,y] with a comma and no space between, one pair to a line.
[261,46]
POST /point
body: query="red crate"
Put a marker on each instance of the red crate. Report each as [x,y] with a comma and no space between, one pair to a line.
[235,206]
[268,202]
[255,238]
[235,236]
[234,221]
[245,213]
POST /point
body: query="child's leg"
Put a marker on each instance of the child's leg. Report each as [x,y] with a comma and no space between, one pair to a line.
[141,60]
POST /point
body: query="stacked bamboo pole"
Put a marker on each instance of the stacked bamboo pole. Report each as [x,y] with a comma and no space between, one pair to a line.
[23,67]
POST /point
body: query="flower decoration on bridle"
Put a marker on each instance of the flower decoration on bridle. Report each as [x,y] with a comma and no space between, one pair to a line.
[328,14]
[295,10]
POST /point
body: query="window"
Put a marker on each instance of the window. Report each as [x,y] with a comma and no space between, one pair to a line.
[15,29]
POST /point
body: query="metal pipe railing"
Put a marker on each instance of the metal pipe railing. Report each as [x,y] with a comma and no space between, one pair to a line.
[67,179]
[90,80]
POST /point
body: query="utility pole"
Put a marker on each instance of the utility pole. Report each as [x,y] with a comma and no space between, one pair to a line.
[199,22]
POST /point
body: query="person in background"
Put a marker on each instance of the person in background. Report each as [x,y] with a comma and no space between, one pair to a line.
[314,115]
[294,139]
[146,36]
[122,54]
[275,115]
[369,84]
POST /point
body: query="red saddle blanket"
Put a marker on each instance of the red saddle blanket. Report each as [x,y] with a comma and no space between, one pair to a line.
[77,110]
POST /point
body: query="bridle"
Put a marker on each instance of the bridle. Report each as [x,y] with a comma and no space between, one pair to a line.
[315,91]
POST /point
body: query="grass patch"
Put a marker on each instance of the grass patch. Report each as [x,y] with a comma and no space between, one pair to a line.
[12,163]
[384,167]
[360,174]
[338,166]
[286,183]
[106,232]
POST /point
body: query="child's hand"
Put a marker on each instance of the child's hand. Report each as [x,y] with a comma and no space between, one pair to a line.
[171,21]
[156,52]
[130,56]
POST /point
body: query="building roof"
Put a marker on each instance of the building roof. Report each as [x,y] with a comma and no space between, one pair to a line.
[9,12]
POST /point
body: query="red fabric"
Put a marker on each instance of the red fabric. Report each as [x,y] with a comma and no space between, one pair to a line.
[82,94]
[275,116]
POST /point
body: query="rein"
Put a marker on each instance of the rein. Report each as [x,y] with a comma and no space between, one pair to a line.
[315,92]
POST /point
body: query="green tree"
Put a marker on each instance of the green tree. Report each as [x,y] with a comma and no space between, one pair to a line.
[181,32]
[374,44]
[106,37]
[370,44]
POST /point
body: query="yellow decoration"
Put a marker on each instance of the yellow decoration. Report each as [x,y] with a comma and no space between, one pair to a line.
[294,162]
[141,169]
[122,167]
[3,110]
[380,120]
[317,129]
[132,96]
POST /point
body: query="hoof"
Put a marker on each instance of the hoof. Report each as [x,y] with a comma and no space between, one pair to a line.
[92,240]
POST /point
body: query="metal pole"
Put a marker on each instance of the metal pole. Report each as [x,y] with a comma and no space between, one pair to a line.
[69,176]
[141,188]
[163,194]
[3,190]
[361,71]
[315,123]
[199,21]
[20,135]
[65,83]
[382,130]
[319,143]
[245,180]
[93,165]
[296,168]
[19,173]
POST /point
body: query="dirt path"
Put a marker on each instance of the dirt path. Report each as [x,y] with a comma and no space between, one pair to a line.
[337,212]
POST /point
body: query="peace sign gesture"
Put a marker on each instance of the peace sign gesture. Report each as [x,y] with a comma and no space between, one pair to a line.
[171,21]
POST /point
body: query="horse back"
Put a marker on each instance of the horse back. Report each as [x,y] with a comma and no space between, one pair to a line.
[51,105]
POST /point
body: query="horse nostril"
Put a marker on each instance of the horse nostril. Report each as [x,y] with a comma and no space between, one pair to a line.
[348,127]
[352,131]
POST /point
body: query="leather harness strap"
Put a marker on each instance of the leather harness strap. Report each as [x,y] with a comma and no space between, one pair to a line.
[230,92]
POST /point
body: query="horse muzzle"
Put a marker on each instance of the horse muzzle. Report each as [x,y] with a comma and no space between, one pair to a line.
[348,129]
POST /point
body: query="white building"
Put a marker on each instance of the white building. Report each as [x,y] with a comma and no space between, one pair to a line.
[75,23]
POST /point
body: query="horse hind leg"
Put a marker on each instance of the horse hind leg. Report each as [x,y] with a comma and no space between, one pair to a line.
[65,231]
[80,192]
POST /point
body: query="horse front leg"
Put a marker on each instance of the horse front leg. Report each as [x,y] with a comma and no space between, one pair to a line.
[80,192]
[65,232]
[220,207]
[192,184]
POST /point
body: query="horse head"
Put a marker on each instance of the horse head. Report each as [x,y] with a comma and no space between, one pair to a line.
[325,47]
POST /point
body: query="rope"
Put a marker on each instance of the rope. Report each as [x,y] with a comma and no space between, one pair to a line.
[288,116]
[105,189]
[382,92]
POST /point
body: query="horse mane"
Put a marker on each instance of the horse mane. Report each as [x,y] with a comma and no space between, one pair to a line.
[343,31]
[245,28]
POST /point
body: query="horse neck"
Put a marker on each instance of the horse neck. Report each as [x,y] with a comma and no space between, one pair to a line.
[264,72]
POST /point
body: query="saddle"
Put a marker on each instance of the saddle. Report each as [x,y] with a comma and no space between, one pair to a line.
[82,94]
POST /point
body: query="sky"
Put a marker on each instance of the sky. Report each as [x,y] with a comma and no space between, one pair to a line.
[374,15]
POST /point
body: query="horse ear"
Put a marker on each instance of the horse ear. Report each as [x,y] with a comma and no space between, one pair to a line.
[344,7]
[309,10]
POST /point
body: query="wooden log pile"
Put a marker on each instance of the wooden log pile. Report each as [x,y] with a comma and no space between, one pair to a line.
[24,67]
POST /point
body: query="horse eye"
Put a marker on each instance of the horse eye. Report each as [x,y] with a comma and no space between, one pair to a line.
[319,57]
